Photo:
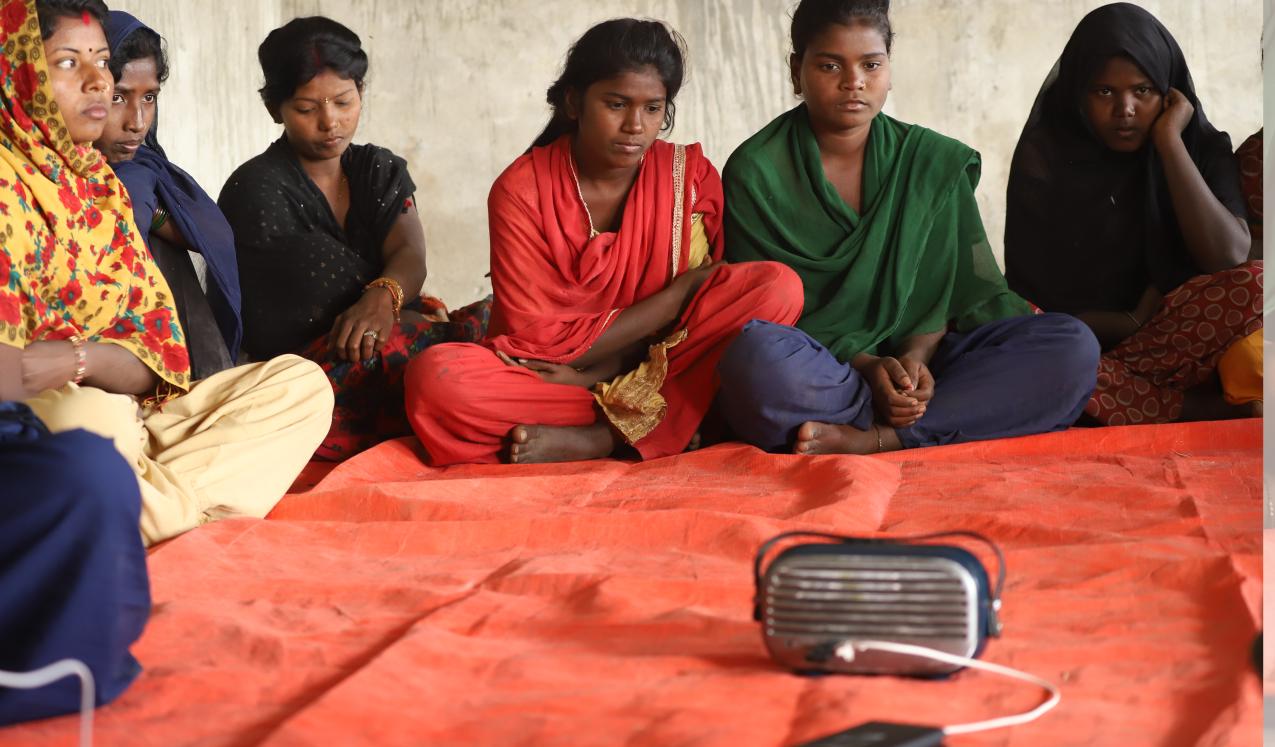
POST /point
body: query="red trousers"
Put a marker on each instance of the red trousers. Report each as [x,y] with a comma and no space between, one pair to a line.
[1144,379]
[462,401]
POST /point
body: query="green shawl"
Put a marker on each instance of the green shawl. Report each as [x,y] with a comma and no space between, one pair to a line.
[917,261]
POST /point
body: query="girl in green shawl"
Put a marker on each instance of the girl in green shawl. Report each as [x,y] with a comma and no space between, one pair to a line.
[910,336]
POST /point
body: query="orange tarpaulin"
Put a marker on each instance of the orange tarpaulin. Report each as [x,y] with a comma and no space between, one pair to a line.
[609,603]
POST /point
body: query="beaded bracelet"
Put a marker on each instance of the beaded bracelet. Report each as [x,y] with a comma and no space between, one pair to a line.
[81,359]
[391,285]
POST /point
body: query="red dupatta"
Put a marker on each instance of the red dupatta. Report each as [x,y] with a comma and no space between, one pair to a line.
[556,289]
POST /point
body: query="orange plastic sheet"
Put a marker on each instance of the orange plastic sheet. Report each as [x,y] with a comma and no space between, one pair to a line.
[609,603]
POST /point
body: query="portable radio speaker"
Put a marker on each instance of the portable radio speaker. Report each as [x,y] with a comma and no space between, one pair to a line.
[815,597]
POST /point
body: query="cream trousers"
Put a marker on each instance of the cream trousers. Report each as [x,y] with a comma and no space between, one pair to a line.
[230,447]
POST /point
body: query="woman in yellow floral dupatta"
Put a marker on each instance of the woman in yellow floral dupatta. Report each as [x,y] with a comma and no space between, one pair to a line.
[87,327]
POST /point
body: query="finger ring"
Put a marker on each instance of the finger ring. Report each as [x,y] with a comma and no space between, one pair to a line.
[372,333]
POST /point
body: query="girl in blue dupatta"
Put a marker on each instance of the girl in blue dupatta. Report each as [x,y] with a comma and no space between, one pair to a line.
[910,336]
[173,214]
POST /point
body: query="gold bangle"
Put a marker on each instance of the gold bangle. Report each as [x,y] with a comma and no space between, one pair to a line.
[395,290]
[81,359]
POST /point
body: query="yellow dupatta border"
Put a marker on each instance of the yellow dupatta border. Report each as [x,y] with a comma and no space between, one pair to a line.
[632,401]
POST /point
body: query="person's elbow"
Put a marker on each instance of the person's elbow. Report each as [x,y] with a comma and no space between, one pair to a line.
[1228,249]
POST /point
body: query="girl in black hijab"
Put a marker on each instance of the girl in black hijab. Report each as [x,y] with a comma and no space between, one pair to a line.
[1125,209]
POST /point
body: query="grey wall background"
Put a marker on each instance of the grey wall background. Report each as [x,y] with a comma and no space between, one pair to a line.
[457,87]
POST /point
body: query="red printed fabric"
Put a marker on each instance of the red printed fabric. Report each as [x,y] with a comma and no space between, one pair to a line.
[1144,379]
[369,394]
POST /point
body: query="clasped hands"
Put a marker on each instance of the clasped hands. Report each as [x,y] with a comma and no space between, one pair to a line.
[901,389]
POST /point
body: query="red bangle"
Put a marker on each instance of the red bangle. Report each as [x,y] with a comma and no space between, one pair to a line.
[81,359]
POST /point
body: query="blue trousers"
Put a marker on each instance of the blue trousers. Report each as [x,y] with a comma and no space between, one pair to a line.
[73,580]
[1012,377]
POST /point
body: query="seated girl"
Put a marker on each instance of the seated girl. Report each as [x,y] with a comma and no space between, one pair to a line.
[173,214]
[910,337]
[1125,209]
[86,328]
[330,245]
[610,309]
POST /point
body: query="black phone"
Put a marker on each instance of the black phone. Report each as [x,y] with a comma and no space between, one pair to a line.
[882,734]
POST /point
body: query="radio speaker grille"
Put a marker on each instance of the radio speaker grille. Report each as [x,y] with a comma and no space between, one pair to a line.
[811,604]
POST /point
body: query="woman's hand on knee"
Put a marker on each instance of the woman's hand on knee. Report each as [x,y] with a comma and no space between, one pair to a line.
[358,333]
[893,393]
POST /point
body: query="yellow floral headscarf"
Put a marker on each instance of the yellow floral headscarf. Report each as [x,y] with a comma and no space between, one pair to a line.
[71,260]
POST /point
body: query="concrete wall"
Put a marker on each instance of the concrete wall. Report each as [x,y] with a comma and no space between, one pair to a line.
[457,86]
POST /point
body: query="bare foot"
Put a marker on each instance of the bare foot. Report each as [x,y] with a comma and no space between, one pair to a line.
[824,438]
[541,444]
[695,443]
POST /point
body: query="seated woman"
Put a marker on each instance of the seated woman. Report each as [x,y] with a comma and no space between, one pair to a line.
[173,214]
[331,249]
[910,337]
[1125,210]
[610,310]
[73,580]
[85,324]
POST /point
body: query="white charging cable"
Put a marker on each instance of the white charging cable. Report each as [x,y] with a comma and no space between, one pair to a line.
[52,673]
[848,650]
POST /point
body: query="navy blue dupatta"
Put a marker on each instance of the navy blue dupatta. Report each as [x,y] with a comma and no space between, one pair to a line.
[154,181]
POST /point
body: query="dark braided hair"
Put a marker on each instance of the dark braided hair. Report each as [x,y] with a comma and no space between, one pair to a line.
[609,49]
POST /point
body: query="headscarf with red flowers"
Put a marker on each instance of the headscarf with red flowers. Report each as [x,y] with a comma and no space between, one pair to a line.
[71,260]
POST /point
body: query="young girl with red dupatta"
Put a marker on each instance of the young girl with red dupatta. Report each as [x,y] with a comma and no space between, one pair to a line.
[1125,209]
[611,306]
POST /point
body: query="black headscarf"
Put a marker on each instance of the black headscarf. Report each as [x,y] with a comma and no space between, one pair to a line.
[1087,228]
[298,268]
